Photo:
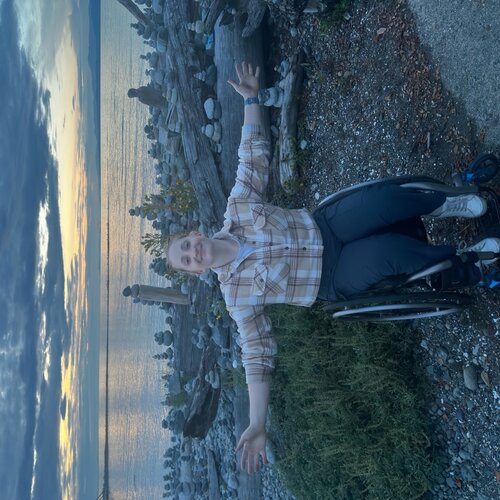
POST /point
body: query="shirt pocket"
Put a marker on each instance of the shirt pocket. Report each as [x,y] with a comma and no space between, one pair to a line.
[269,217]
[270,279]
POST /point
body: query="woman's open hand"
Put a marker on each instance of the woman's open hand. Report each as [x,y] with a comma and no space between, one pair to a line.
[253,443]
[248,85]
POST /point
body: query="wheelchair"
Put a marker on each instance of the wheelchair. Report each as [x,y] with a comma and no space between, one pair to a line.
[425,294]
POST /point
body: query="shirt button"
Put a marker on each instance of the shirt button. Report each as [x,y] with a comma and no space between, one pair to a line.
[304,248]
[286,248]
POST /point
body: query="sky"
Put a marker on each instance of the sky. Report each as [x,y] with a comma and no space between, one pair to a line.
[49,243]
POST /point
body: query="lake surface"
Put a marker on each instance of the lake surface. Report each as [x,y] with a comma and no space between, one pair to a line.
[136,438]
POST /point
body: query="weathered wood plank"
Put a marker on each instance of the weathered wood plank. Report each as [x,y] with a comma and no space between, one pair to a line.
[231,47]
[289,112]
[255,10]
[160,294]
[198,154]
[137,13]
[252,10]
[215,7]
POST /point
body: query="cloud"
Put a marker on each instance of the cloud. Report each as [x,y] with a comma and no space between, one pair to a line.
[26,163]
[41,29]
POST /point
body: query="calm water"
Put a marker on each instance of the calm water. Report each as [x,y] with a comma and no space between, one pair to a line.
[137,441]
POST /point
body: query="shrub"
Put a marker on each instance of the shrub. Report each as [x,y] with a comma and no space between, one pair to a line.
[348,409]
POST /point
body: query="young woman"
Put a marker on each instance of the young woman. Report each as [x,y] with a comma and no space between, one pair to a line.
[265,254]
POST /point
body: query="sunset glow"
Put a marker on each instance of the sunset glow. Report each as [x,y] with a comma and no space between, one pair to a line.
[65,132]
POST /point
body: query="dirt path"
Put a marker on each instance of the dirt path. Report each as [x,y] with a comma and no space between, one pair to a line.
[463,39]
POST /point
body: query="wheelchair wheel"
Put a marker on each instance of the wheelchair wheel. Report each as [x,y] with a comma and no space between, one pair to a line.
[399,307]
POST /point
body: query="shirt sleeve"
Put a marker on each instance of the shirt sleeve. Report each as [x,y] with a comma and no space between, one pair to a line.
[258,346]
[253,169]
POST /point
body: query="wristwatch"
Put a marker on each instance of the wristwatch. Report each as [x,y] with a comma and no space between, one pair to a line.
[251,100]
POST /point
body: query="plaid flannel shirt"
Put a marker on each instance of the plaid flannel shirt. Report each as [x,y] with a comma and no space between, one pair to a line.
[285,266]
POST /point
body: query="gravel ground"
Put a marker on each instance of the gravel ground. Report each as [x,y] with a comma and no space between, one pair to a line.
[374,104]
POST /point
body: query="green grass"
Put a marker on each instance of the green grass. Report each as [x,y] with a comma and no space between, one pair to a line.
[336,9]
[348,409]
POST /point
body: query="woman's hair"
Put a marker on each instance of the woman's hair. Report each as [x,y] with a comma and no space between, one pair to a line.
[169,240]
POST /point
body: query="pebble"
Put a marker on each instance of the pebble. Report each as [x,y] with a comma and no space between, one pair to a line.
[441,355]
[460,416]
[470,378]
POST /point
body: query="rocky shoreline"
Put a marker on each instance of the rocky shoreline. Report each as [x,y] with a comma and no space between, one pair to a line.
[372,105]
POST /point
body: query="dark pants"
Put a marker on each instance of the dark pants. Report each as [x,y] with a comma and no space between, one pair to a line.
[366,254]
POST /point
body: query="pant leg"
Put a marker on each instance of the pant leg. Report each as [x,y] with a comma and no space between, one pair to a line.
[367,261]
[373,208]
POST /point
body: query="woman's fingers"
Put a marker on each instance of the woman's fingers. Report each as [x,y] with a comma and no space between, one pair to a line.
[241,442]
[242,459]
[249,461]
[256,462]
[246,69]
[239,70]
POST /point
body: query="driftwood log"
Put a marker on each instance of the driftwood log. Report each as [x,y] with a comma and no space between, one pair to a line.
[199,156]
[291,85]
[231,47]
[214,10]
[137,13]
[203,407]
[250,12]
[160,294]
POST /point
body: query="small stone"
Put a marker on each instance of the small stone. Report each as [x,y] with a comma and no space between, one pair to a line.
[316,196]
[485,378]
[441,355]
[233,483]
[470,378]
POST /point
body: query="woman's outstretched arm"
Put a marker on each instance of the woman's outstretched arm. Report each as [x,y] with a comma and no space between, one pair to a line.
[248,88]
[253,439]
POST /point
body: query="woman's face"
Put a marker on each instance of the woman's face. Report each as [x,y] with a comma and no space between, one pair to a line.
[192,253]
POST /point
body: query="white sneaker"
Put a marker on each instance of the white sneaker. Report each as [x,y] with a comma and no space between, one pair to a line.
[466,205]
[486,245]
